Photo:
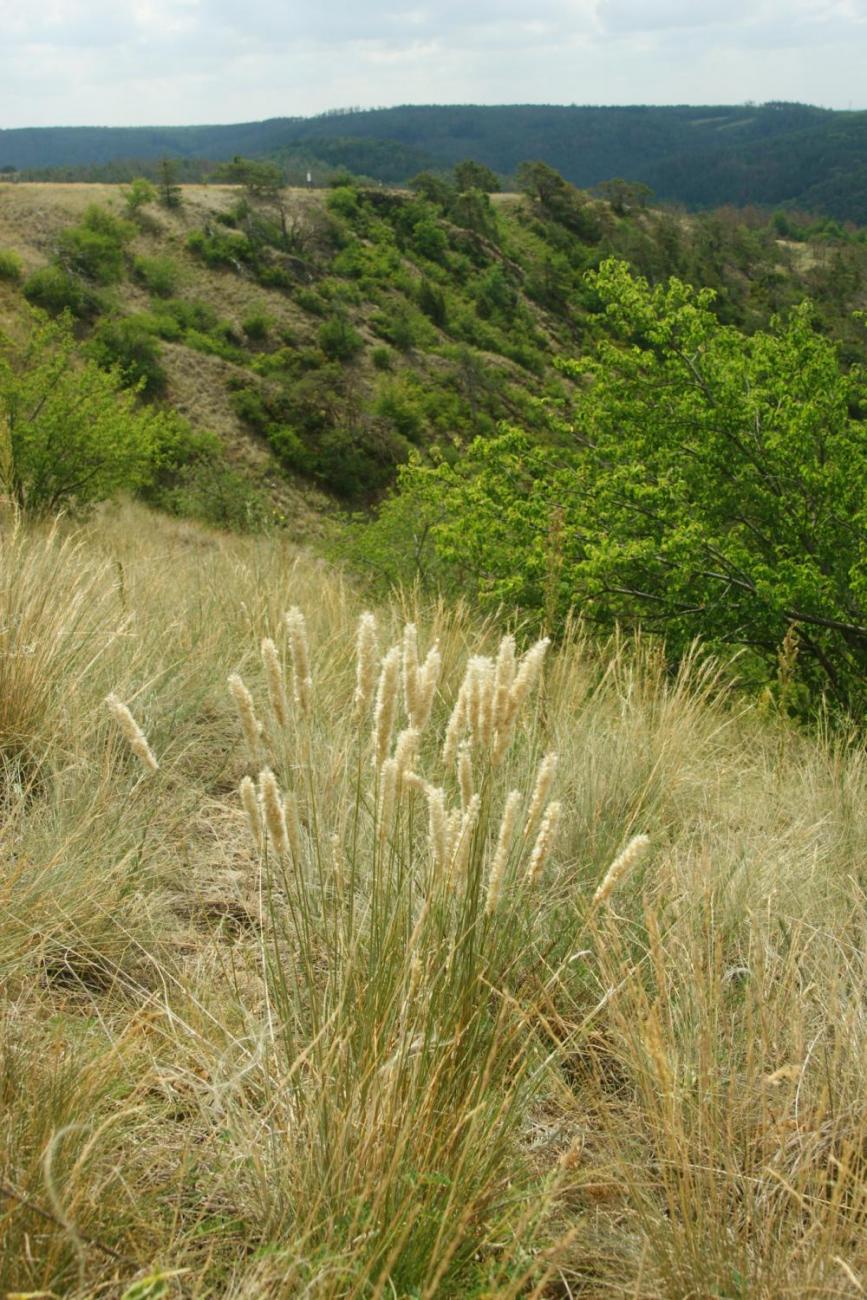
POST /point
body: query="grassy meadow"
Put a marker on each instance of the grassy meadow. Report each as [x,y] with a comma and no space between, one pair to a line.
[322,976]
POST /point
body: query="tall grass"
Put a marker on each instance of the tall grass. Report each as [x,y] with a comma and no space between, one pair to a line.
[369,985]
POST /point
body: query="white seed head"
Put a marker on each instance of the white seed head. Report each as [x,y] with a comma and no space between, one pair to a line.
[299,653]
[406,751]
[132,732]
[366,656]
[250,805]
[457,725]
[621,867]
[385,708]
[250,724]
[410,671]
[428,678]
[480,699]
[437,830]
[504,677]
[500,860]
[526,677]
[544,841]
[276,684]
[544,780]
[272,807]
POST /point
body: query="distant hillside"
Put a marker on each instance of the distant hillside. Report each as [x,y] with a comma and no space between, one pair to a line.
[773,155]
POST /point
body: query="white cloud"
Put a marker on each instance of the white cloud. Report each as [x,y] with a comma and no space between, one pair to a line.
[154,61]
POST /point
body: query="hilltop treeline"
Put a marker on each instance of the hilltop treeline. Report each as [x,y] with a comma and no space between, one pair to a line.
[775,154]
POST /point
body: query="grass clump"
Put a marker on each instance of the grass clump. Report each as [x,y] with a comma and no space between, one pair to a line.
[359,977]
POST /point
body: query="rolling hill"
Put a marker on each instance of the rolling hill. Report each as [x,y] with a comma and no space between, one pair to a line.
[776,154]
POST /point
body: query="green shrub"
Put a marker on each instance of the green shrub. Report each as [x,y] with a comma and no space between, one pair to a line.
[140,193]
[191,314]
[222,248]
[128,346]
[75,435]
[339,340]
[11,266]
[55,290]
[382,358]
[257,324]
[310,300]
[95,248]
[158,274]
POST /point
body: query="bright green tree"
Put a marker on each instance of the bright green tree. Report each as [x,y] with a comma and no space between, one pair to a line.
[69,433]
[712,484]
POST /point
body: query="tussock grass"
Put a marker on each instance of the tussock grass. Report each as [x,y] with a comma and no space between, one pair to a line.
[369,985]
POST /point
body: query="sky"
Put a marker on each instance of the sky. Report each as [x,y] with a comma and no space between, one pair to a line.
[155,62]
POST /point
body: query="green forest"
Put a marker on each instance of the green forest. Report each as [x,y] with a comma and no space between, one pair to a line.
[774,154]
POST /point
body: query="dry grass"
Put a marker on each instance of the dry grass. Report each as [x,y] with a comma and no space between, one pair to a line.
[329,1060]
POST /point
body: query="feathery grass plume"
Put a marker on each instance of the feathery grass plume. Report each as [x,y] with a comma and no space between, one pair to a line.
[526,677]
[410,670]
[544,780]
[299,652]
[293,826]
[385,708]
[460,850]
[480,696]
[276,684]
[500,859]
[428,678]
[250,724]
[272,807]
[457,724]
[465,773]
[453,831]
[251,807]
[504,676]
[620,867]
[388,777]
[437,825]
[133,733]
[366,655]
[406,751]
[544,841]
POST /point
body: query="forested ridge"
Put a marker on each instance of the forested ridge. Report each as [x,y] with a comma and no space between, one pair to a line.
[702,156]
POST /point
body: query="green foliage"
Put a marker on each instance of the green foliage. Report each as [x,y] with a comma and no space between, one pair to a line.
[95,248]
[260,179]
[343,202]
[128,346]
[168,172]
[69,433]
[339,340]
[432,302]
[221,248]
[55,290]
[470,175]
[257,324]
[190,477]
[11,266]
[713,484]
[140,193]
[160,275]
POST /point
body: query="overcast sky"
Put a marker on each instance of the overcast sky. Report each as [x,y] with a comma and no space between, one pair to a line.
[114,62]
